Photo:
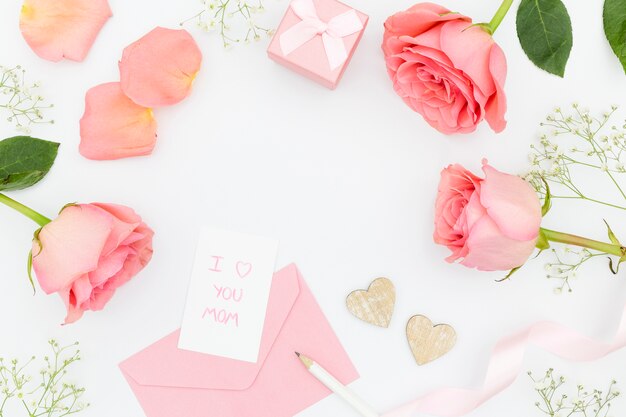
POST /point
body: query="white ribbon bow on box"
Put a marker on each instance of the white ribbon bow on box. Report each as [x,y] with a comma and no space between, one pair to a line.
[311,26]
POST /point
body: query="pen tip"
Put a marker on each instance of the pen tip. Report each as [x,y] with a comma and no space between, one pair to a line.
[297,354]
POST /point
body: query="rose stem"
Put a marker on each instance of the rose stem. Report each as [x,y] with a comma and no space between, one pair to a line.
[497,18]
[607,248]
[26,211]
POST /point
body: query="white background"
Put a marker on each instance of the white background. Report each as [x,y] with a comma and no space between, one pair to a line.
[345,180]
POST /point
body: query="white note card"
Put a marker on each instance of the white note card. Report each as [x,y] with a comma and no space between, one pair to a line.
[228,294]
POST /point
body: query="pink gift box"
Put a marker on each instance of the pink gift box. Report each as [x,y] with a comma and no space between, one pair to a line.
[311,59]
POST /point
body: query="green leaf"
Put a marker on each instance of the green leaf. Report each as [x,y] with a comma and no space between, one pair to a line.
[614,240]
[547,202]
[542,241]
[24,161]
[511,272]
[30,270]
[615,269]
[485,26]
[544,29]
[63,208]
[615,27]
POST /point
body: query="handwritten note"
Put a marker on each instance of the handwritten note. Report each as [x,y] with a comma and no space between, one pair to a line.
[228,295]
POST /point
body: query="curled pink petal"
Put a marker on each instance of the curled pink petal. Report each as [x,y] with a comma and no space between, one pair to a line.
[57,29]
[159,69]
[113,126]
[488,249]
[496,106]
[512,204]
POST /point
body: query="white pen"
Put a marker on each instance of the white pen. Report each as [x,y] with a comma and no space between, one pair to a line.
[337,387]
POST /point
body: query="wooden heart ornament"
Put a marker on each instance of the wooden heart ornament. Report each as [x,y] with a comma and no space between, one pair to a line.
[374,305]
[429,342]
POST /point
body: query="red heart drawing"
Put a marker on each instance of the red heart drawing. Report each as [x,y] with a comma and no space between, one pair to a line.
[243,269]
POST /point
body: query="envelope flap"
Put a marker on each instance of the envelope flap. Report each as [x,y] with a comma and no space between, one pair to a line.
[164,364]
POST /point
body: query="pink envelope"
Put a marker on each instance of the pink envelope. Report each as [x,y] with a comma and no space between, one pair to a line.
[170,382]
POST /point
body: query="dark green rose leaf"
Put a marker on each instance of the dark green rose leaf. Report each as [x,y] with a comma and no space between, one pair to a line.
[24,161]
[544,29]
[615,27]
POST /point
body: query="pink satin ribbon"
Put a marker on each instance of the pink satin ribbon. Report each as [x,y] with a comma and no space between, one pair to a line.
[332,32]
[506,363]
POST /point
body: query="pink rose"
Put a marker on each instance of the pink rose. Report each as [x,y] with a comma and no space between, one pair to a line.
[89,251]
[491,223]
[449,71]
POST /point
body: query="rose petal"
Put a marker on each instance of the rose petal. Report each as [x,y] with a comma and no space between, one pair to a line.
[134,263]
[113,126]
[418,19]
[159,69]
[512,204]
[469,48]
[125,221]
[473,212]
[100,298]
[496,106]
[57,29]
[109,266]
[456,182]
[140,242]
[489,250]
[123,213]
[79,230]
[74,313]
[132,238]
[81,290]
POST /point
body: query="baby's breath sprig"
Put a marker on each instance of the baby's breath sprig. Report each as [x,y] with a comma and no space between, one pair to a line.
[216,15]
[564,268]
[578,145]
[48,394]
[554,403]
[20,100]
[579,141]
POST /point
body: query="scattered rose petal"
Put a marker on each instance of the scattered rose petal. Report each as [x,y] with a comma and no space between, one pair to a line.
[159,69]
[57,29]
[114,127]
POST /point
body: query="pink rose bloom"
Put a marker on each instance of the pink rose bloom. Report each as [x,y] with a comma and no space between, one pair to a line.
[451,73]
[491,224]
[89,251]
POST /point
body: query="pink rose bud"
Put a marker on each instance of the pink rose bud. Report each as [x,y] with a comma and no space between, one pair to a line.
[450,72]
[89,251]
[491,224]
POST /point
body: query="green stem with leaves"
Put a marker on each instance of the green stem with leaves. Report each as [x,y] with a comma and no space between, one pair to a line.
[38,218]
[499,16]
[569,239]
